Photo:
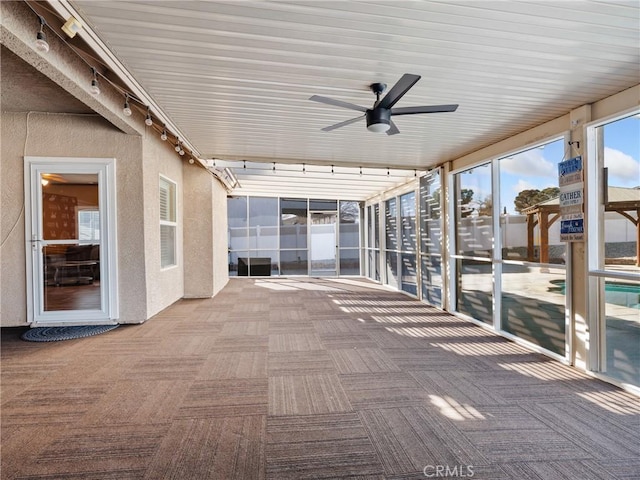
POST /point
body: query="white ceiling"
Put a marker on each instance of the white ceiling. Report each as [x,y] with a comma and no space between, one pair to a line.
[235,77]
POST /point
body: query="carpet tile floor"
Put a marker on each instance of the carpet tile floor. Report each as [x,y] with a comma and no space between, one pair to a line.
[306,379]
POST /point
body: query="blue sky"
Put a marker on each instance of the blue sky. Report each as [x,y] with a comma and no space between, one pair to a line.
[538,168]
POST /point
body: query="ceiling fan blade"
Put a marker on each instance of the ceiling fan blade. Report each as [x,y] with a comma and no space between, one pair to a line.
[342,124]
[393,130]
[425,109]
[337,103]
[401,87]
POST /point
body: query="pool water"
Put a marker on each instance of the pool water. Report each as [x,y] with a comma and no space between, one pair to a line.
[623,294]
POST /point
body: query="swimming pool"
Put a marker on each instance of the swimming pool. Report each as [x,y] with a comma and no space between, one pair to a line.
[623,294]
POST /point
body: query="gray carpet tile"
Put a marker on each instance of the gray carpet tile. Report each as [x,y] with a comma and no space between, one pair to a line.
[409,439]
[225,398]
[362,360]
[326,379]
[581,423]
[294,342]
[300,363]
[379,390]
[560,470]
[281,327]
[307,395]
[320,446]
[241,343]
[80,451]
[50,404]
[461,385]
[166,367]
[218,448]
[245,328]
[234,365]
[138,402]
[425,358]
[335,325]
[342,340]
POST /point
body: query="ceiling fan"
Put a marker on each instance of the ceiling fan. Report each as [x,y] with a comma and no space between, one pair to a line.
[379,117]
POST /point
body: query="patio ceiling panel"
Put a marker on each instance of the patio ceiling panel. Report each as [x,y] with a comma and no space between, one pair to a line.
[235,77]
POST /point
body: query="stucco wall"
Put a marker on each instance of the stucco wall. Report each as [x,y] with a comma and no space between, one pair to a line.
[164,285]
[220,247]
[205,233]
[54,135]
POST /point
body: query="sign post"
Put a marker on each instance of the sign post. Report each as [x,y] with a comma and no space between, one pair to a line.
[571,183]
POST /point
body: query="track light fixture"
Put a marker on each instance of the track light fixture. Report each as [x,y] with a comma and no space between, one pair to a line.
[148,121]
[164,137]
[41,39]
[95,88]
[126,110]
[181,152]
[177,147]
[191,161]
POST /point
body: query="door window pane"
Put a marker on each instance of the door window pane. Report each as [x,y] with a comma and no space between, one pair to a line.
[263,223]
[391,224]
[237,223]
[432,280]
[430,216]
[409,279]
[529,206]
[622,313]
[621,226]
[293,223]
[349,224]
[474,227]
[408,221]
[349,261]
[533,305]
[293,262]
[475,289]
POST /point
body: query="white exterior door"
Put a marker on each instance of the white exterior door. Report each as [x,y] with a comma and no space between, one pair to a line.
[70,241]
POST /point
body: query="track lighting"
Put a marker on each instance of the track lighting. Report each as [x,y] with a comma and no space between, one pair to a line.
[41,39]
[181,152]
[148,121]
[126,110]
[191,161]
[163,137]
[177,147]
[95,88]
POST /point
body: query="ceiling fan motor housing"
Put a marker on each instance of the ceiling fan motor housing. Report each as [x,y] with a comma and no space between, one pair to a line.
[378,119]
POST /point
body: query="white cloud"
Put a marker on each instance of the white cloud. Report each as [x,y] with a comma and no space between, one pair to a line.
[622,166]
[523,185]
[530,163]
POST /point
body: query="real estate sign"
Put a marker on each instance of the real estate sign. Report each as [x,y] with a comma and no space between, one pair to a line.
[571,183]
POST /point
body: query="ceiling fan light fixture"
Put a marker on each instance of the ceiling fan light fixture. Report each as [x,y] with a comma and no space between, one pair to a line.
[378,120]
[378,127]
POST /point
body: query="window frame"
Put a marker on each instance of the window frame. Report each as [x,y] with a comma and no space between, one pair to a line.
[171,222]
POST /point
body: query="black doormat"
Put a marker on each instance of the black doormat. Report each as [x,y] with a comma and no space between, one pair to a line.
[55,334]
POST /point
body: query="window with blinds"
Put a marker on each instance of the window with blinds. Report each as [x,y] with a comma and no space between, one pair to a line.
[168,223]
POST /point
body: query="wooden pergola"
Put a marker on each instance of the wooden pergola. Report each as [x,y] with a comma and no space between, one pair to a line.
[624,201]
